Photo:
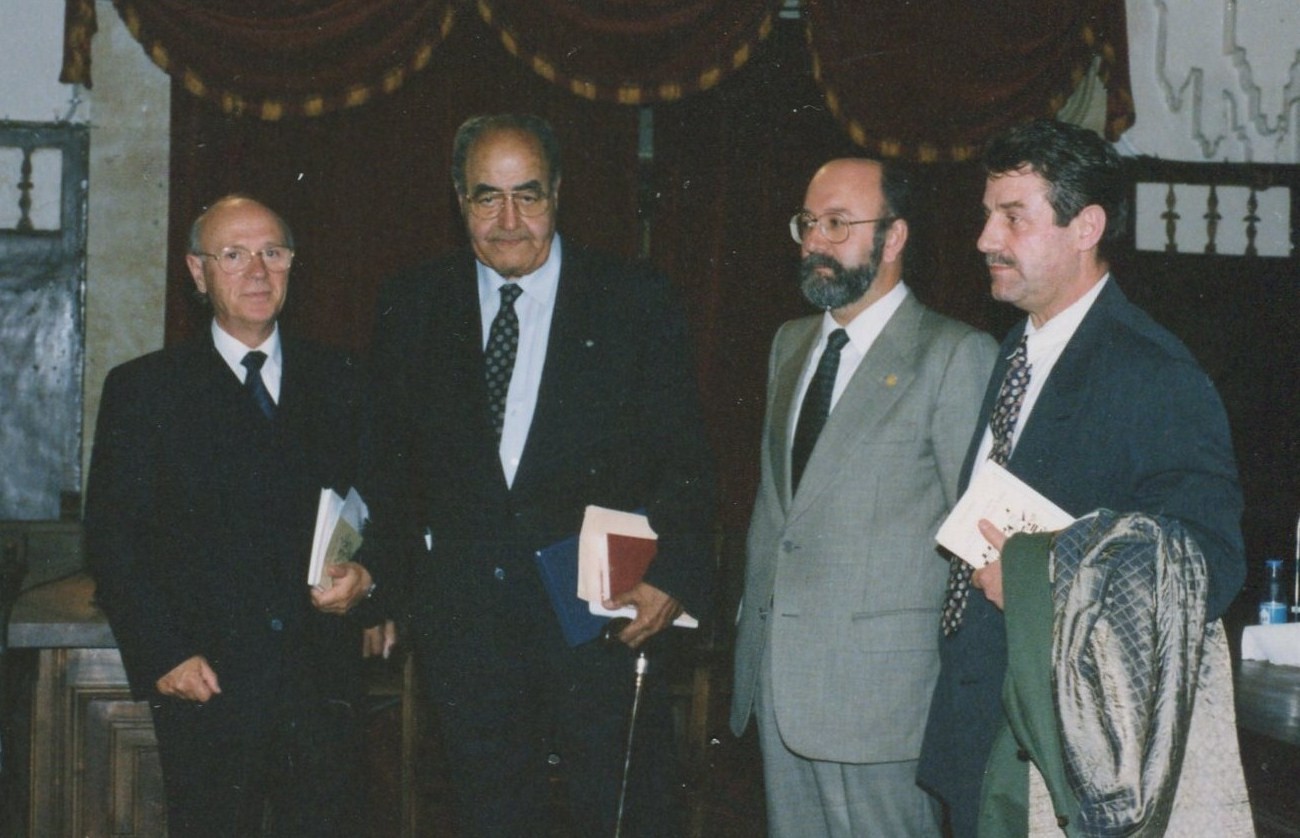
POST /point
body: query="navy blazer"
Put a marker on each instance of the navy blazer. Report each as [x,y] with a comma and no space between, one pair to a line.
[617,424]
[199,520]
[1126,421]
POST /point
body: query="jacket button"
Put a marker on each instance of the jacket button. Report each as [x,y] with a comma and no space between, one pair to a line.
[787,546]
[499,573]
[277,624]
[1062,821]
[1022,755]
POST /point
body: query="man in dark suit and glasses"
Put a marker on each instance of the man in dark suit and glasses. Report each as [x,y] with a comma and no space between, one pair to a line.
[514,383]
[1091,403]
[208,463]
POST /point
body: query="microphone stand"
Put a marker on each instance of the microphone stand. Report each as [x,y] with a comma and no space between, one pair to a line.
[609,637]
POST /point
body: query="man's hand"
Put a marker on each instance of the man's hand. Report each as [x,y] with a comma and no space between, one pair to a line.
[655,611]
[193,679]
[379,640]
[351,585]
[989,577]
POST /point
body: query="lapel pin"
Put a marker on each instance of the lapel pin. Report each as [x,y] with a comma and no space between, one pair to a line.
[589,343]
[891,380]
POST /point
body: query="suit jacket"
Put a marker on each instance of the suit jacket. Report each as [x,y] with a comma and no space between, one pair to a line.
[199,520]
[617,424]
[844,579]
[1129,422]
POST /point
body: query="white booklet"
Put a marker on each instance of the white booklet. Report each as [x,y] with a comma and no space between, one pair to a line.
[339,522]
[1008,502]
[614,550]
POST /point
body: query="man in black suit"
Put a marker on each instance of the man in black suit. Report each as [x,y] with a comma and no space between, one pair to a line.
[1115,413]
[208,463]
[516,383]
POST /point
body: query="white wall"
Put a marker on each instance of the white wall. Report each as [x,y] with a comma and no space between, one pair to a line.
[1215,79]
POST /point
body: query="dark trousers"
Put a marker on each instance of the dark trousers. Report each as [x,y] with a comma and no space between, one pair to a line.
[231,770]
[516,707]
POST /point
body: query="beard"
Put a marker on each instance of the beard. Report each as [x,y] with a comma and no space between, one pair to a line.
[841,286]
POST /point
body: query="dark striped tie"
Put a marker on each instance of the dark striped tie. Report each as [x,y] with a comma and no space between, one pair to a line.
[254,384]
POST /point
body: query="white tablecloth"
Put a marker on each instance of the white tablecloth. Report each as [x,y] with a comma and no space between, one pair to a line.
[1278,643]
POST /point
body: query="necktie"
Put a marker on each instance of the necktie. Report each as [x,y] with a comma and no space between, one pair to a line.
[1011,395]
[502,346]
[816,406]
[254,384]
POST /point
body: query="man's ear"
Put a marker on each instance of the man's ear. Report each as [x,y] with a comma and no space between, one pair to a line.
[195,264]
[895,240]
[1090,225]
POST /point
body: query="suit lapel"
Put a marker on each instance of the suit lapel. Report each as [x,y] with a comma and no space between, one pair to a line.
[785,387]
[887,371]
[571,348]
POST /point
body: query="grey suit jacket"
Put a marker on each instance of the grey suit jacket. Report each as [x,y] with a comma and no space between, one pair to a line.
[844,579]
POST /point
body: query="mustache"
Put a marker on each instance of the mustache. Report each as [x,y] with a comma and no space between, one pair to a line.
[820,260]
[999,260]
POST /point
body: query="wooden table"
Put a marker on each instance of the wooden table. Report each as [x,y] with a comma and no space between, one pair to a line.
[94,760]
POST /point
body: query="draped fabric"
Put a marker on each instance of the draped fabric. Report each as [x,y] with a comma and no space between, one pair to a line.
[933,80]
[277,58]
[632,52]
[79,26]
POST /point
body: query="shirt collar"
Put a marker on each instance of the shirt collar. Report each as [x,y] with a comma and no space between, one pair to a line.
[232,350]
[1059,330]
[539,285]
[870,322]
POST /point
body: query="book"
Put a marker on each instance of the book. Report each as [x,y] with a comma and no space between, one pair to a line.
[1000,497]
[337,537]
[558,566]
[614,551]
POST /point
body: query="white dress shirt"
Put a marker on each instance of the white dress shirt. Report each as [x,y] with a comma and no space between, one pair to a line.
[862,332]
[1043,347]
[232,351]
[534,308]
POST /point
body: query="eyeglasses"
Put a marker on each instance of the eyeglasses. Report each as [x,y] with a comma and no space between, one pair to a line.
[236,259]
[833,226]
[529,203]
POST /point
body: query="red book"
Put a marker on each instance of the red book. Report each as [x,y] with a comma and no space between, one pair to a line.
[629,556]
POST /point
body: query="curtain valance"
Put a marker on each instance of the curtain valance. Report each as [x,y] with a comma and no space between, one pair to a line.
[632,52]
[932,80]
[277,58]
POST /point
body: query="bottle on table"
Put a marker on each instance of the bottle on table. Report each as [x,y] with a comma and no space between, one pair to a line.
[1273,608]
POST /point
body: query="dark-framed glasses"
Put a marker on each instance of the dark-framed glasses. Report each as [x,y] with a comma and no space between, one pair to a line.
[529,203]
[834,226]
[236,259]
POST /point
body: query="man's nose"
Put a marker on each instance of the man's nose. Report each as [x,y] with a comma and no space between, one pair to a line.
[989,241]
[509,218]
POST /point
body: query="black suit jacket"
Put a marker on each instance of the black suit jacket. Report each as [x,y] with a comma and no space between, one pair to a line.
[199,520]
[617,424]
[1127,421]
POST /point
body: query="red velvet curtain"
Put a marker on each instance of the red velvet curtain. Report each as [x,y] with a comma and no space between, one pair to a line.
[632,51]
[368,190]
[278,58]
[934,79]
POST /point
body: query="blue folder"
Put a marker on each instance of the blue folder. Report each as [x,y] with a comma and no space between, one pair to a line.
[558,565]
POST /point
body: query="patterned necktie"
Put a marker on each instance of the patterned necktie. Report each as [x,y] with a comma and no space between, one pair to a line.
[1011,395]
[502,346]
[816,406]
[254,384]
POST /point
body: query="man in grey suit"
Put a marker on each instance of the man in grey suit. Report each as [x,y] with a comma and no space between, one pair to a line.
[870,407]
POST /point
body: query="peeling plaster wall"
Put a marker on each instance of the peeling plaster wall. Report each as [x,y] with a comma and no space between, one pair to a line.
[128,111]
[1217,80]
